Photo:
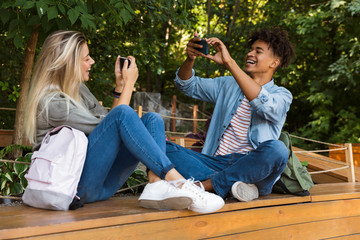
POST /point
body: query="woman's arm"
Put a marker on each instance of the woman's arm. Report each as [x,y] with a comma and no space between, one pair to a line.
[125,81]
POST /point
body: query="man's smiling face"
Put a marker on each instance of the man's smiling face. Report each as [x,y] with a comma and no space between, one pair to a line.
[260,59]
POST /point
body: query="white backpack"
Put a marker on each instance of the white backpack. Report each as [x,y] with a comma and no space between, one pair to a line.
[55,169]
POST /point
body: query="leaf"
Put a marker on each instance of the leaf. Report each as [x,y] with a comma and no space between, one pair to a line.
[41,7]
[20,167]
[4,15]
[73,15]
[9,176]
[337,4]
[304,163]
[16,188]
[3,183]
[126,16]
[7,192]
[84,21]
[62,9]
[27,157]
[52,13]
[20,2]
[34,20]
[18,41]
[129,8]
[23,180]
[28,5]
[13,25]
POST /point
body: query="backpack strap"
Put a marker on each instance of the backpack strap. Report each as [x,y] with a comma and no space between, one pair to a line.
[283,187]
[77,203]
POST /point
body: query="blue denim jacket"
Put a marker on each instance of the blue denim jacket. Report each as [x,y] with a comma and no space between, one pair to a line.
[268,109]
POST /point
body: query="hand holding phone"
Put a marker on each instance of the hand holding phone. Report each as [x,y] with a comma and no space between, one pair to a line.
[205,47]
[122,60]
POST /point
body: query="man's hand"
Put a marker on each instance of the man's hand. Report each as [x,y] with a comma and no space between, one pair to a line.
[192,44]
[222,55]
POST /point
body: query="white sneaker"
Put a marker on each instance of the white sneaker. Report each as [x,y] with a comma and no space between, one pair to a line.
[203,201]
[162,195]
[244,192]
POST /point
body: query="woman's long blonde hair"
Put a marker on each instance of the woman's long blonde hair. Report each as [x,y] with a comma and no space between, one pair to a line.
[57,70]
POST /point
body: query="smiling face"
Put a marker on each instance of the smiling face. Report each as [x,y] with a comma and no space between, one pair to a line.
[86,62]
[260,60]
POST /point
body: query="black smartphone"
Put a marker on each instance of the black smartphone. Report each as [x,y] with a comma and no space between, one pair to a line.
[205,48]
[122,60]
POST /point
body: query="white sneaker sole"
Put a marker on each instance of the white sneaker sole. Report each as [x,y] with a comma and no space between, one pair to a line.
[244,192]
[175,203]
[208,209]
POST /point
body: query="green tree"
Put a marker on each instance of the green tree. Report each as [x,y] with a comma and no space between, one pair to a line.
[327,70]
[25,20]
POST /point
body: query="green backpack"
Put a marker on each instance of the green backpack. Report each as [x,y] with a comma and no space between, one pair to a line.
[295,179]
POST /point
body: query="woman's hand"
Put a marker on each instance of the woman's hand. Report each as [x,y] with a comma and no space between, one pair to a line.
[125,81]
[119,81]
[222,55]
[131,74]
[125,75]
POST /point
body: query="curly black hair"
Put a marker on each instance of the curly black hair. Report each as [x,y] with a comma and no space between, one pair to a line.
[278,41]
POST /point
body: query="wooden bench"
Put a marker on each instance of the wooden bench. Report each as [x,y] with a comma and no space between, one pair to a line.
[331,211]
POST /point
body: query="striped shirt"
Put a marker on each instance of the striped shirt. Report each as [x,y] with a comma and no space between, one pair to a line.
[234,139]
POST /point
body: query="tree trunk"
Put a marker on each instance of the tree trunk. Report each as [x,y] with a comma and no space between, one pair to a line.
[235,12]
[207,70]
[148,80]
[24,84]
[164,38]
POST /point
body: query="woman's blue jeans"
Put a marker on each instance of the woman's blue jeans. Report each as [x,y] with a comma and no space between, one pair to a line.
[261,166]
[115,148]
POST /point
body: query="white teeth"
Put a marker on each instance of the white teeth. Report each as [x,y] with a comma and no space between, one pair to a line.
[250,61]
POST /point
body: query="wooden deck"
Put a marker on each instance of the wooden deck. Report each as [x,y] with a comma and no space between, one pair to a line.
[331,211]
[316,163]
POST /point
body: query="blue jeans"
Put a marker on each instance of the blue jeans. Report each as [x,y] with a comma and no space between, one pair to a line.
[261,166]
[115,148]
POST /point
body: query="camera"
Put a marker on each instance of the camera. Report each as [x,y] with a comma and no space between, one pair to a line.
[122,60]
[205,48]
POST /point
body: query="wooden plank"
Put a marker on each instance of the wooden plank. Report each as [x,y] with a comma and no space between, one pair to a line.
[316,164]
[335,191]
[23,221]
[188,142]
[340,155]
[6,137]
[343,217]
[355,236]
[348,226]
[325,178]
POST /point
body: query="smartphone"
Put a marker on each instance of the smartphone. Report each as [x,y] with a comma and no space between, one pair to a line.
[205,48]
[122,60]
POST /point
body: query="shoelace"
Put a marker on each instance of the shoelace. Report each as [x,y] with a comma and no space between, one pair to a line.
[172,187]
[191,185]
[191,181]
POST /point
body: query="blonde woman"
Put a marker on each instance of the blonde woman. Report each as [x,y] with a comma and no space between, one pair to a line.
[118,140]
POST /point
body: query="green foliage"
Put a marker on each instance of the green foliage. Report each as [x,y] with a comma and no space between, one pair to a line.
[136,178]
[328,57]
[324,78]
[12,175]
[152,36]
[21,17]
